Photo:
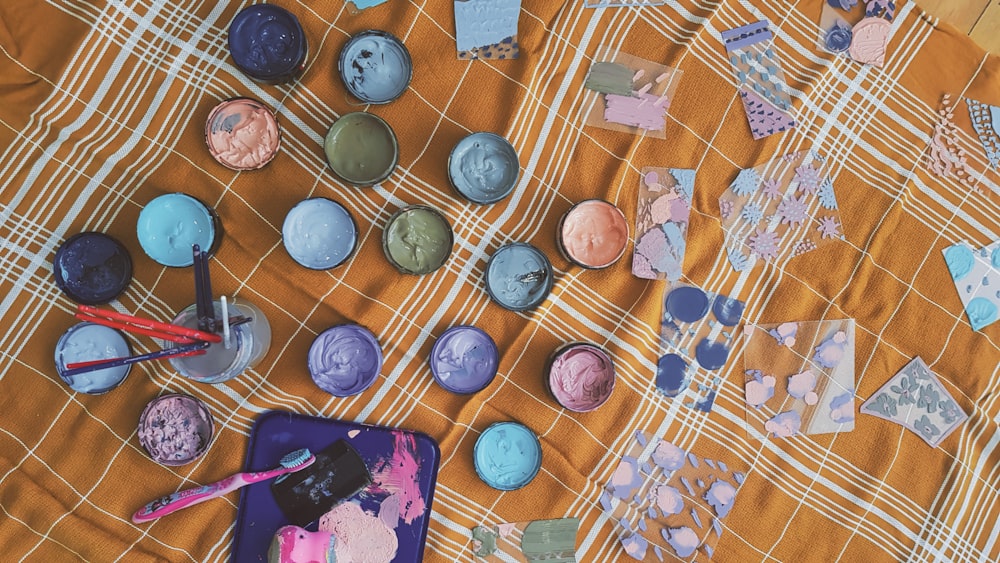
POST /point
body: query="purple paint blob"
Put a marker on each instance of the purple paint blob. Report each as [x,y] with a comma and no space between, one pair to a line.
[711,355]
[687,304]
[684,540]
[464,359]
[727,311]
[345,360]
[175,429]
[635,546]
[671,374]
[721,496]
[581,377]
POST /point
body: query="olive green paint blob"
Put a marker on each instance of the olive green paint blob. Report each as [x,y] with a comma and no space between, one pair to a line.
[361,148]
[552,541]
[487,541]
[609,78]
[417,240]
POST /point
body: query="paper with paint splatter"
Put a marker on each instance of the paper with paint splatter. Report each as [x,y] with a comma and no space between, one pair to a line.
[669,502]
[697,329]
[916,399]
[661,222]
[487,29]
[355,7]
[759,79]
[779,210]
[629,94]
[537,540]
[858,30]
[799,377]
[986,121]
[976,274]
[621,3]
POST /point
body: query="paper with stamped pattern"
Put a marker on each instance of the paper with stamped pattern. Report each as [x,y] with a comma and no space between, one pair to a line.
[552,540]
[661,222]
[487,29]
[915,398]
[759,79]
[976,274]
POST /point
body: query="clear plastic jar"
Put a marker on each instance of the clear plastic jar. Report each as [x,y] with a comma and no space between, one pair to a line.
[250,342]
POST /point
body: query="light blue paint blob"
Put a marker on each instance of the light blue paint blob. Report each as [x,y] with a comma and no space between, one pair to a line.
[746,182]
[362,4]
[693,459]
[671,374]
[687,304]
[170,224]
[479,23]
[960,261]
[995,259]
[982,312]
[319,233]
[995,117]
[85,342]
[711,355]
[697,519]
[687,485]
[642,525]
[507,456]
[685,182]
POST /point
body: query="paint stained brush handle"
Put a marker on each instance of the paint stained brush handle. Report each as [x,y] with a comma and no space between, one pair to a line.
[190,349]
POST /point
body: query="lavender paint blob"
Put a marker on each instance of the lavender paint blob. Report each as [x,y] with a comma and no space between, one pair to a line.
[671,374]
[375,67]
[507,456]
[345,360]
[684,540]
[721,496]
[464,359]
[92,268]
[687,304]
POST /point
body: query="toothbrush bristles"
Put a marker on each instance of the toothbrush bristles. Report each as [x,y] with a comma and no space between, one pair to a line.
[297,458]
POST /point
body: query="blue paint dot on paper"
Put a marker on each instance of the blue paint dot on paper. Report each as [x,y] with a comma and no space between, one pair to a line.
[687,304]
[642,525]
[711,355]
[671,374]
[959,259]
[995,259]
[640,438]
[727,311]
[981,312]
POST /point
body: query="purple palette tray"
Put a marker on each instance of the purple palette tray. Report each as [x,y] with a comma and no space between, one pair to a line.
[276,433]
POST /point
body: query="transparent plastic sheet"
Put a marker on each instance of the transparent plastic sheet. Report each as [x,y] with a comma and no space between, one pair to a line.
[487,29]
[800,377]
[621,3]
[976,274]
[759,79]
[859,30]
[661,222]
[536,540]
[630,94]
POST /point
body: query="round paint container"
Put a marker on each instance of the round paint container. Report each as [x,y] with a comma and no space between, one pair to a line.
[249,342]
[417,240]
[593,234]
[170,224]
[361,149]
[518,277]
[175,429]
[268,43]
[92,268]
[85,342]
[242,134]
[319,233]
[580,376]
[345,360]
[483,168]
[464,359]
[507,456]
[375,67]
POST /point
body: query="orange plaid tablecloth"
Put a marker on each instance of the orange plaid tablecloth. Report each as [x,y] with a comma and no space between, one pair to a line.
[102,105]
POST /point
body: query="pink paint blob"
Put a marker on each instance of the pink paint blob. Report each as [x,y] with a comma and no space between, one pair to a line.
[581,377]
[593,234]
[644,111]
[175,429]
[871,36]
[668,499]
[292,544]
[758,393]
[398,476]
[359,537]
[242,134]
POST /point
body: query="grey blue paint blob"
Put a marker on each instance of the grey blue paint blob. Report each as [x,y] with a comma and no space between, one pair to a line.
[711,355]
[727,311]
[375,67]
[687,304]
[671,374]
[483,167]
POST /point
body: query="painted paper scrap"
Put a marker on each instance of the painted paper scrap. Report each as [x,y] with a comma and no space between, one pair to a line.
[537,540]
[859,31]
[356,6]
[661,222]
[759,79]
[632,94]
[916,399]
[799,377]
[487,29]
[976,274]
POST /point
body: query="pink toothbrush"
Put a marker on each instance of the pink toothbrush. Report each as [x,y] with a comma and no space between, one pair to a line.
[292,462]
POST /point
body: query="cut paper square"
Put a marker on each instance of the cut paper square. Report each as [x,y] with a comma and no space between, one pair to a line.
[621,3]
[915,398]
[799,377]
[668,501]
[976,274]
[860,31]
[487,29]
[661,222]
[759,79]
[698,329]
[780,209]
[536,540]
[986,122]
[629,94]
[355,7]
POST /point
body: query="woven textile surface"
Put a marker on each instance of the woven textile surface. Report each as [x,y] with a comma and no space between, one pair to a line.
[102,108]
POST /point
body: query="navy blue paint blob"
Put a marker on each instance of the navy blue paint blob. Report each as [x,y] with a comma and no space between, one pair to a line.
[671,374]
[267,42]
[727,311]
[711,355]
[687,304]
[92,268]
[705,405]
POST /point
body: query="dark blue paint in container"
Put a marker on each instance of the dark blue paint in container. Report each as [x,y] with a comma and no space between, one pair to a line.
[268,44]
[92,268]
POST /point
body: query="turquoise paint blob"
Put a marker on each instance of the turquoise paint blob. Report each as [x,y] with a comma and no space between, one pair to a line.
[170,224]
[960,260]
[85,342]
[507,456]
[687,304]
[981,311]
[319,233]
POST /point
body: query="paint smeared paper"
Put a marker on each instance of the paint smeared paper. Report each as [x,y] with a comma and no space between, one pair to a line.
[859,31]
[759,79]
[537,540]
[632,94]
[976,274]
[357,6]
[487,29]
[916,399]
[799,377]
[661,223]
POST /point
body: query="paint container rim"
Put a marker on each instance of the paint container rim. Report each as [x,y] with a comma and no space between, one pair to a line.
[369,338]
[202,409]
[443,338]
[538,451]
[568,347]
[244,338]
[214,221]
[546,265]
[354,226]
[508,150]
[285,74]
[395,149]
[60,277]
[566,254]
[410,208]
[407,62]
[61,365]
[271,116]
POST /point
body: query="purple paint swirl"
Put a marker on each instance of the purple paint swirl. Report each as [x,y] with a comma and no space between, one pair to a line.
[345,360]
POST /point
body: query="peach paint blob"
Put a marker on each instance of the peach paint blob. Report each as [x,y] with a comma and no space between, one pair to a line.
[594,234]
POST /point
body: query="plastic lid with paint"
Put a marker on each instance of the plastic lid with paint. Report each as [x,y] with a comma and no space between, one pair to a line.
[175,429]
[345,360]
[242,134]
[417,240]
[361,149]
[593,234]
[267,43]
[519,277]
[319,233]
[85,342]
[170,224]
[375,67]
[92,268]
[464,359]
[581,376]
[483,168]
[507,456]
